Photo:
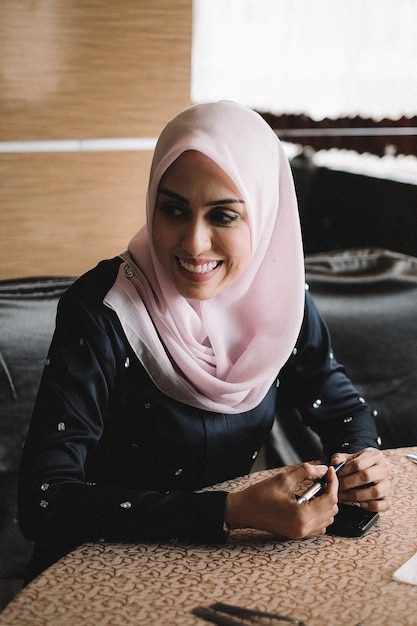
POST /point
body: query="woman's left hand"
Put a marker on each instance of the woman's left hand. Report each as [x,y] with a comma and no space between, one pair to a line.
[364,479]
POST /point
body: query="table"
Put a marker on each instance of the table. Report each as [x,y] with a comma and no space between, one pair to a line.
[324,581]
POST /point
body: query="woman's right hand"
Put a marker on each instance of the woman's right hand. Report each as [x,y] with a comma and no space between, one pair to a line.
[271,506]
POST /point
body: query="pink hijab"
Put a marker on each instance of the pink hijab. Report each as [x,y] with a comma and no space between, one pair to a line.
[221,354]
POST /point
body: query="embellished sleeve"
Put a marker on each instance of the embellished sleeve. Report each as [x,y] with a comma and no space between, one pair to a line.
[58,508]
[314,383]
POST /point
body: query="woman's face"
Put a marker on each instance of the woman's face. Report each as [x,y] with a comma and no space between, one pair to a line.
[200,228]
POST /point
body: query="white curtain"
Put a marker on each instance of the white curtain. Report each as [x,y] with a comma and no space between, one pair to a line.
[323,58]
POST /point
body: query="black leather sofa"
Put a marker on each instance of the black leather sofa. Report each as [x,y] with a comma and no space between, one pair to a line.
[368,297]
[27,316]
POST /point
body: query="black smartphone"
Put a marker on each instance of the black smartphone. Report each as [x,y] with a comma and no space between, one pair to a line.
[352,521]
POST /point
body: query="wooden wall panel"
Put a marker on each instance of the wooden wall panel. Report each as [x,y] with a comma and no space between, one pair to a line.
[61,213]
[71,69]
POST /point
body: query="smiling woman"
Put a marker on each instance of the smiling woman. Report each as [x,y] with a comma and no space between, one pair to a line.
[162,376]
[203,240]
[205,154]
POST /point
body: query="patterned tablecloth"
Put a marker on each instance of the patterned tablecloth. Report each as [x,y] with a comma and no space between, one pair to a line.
[325,581]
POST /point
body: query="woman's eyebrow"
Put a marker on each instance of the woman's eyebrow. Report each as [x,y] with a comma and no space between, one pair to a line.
[174,195]
[224,201]
[177,196]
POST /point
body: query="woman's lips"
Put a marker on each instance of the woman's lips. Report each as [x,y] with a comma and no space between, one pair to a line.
[198,270]
[201,267]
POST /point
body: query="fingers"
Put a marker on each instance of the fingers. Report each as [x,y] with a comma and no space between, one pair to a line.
[332,482]
[365,479]
[320,511]
[305,471]
[312,518]
[380,505]
[362,468]
[359,460]
[270,504]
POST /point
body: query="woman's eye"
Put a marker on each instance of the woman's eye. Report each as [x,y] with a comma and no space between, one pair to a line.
[172,210]
[220,216]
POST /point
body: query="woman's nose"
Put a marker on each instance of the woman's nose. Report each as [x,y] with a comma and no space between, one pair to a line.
[196,238]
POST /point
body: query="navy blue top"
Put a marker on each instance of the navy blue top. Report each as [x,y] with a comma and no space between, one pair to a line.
[108,456]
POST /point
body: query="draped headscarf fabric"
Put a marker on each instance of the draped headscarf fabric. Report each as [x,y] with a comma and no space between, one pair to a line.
[224,353]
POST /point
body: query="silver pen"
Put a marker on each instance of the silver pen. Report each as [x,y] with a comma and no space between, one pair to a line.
[317,487]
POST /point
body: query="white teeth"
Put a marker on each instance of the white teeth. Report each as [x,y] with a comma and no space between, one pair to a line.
[199,269]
